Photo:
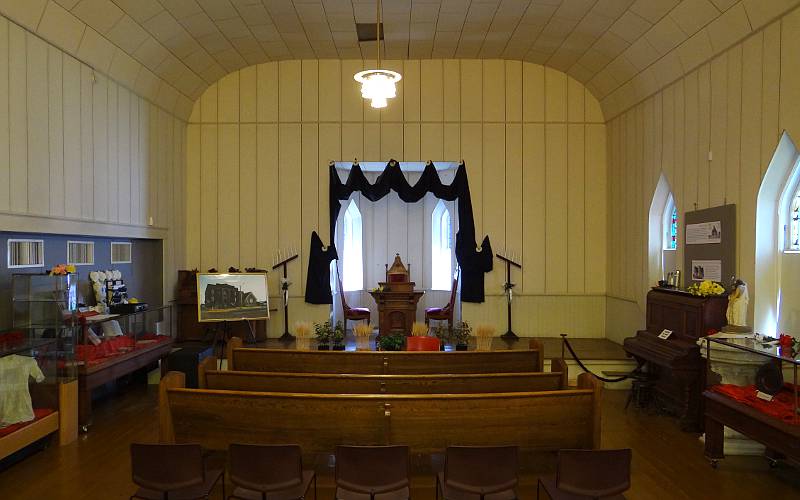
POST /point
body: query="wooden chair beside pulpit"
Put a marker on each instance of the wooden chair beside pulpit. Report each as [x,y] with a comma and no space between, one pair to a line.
[444,313]
[350,313]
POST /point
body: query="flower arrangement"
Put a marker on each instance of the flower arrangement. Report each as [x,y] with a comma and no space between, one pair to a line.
[419,329]
[706,288]
[62,270]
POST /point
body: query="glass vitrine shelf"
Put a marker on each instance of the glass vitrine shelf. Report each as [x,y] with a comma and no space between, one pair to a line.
[757,347]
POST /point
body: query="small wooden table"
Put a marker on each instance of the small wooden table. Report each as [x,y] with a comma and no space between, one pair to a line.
[397,310]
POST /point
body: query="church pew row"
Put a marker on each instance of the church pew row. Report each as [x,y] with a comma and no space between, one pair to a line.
[427,423]
[383,362]
[334,383]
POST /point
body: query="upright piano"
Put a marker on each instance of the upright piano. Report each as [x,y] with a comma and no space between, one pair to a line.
[675,364]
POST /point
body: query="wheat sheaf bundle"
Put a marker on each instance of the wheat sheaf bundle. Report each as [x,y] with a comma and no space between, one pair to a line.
[419,329]
[485,331]
[302,329]
[362,330]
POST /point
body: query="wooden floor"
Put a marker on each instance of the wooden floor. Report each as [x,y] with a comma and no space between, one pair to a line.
[667,463]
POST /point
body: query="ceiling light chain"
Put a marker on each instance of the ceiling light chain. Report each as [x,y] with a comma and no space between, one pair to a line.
[378,85]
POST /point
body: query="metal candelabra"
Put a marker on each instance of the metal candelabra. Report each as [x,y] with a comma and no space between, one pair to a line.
[282,259]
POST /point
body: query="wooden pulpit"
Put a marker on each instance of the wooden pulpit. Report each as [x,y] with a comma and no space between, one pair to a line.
[397,300]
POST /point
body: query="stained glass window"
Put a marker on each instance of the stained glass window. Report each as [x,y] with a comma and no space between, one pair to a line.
[673,229]
[794,223]
[670,225]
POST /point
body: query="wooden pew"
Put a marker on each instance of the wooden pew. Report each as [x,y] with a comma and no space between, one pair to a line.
[427,423]
[333,383]
[383,362]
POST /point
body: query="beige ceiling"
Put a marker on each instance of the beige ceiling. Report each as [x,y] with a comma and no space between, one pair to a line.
[171,50]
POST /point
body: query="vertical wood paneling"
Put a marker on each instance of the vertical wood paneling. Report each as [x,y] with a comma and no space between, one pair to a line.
[267,202]
[576,212]
[751,150]
[719,116]
[248,195]
[534,208]
[289,185]
[432,92]
[266,92]
[72,137]
[228,103]
[310,191]
[87,145]
[494,91]
[37,109]
[514,192]
[18,116]
[124,155]
[113,153]
[99,184]
[55,111]
[538,189]
[471,90]
[208,196]
[556,214]
[494,193]
[310,91]
[330,102]
[770,104]
[248,94]
[5,160]
[703,129]
[193,194]
[555,83]
[228,197]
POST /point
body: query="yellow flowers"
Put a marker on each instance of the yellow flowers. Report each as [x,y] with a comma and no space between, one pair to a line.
[70,268]
[706,288]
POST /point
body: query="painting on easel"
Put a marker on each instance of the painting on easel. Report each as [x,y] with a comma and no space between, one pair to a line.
[232,296]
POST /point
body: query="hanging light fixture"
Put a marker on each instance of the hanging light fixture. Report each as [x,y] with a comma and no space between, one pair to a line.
[378,85]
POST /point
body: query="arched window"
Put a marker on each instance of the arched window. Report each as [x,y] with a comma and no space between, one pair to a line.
[670,225]
[352,251]
[792,239]
[441,248]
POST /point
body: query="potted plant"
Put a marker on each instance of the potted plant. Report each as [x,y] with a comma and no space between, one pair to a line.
[324,334]
[391,342]
[442,333]
[420,339]
[460,335]
[337,337]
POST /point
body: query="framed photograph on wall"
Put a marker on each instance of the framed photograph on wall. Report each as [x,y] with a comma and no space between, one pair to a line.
[232,296]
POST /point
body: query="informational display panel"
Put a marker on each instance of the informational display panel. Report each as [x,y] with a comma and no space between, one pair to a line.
[709,251]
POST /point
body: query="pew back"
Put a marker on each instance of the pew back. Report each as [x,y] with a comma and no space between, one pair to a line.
[384,363]
[332,383]
[427,423]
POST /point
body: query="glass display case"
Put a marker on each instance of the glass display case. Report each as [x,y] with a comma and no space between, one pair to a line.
[114,345]
[39,387]
[105,337]
[753,391]
[43,302]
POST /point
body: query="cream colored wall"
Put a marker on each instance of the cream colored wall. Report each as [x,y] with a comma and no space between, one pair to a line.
[82,154]
[259,141]
[734,106]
